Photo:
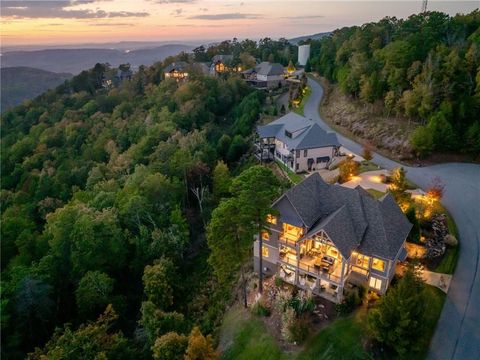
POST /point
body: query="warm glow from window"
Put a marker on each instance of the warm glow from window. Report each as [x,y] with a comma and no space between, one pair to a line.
[265,235]
[292,232]
[264,251]
[272,219]
[378,264]
[360,260]
[375,283]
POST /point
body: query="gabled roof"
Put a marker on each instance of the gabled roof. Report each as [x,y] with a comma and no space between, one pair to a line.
[222,58]
[306,133]
[352,218]
[266,68]
[178,65]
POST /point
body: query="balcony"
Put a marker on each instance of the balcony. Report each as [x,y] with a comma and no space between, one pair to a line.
[288,240]
[315,266]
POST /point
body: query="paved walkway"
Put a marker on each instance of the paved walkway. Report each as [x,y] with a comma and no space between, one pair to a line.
[441,281]
[457,335]
[369,180]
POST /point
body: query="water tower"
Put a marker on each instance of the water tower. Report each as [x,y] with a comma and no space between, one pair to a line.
[303,54]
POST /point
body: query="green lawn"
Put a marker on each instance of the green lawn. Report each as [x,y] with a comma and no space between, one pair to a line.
[300,109]
[341,340]
[245,337]
[375,193]
[367,166]
[294,177]
[248,338]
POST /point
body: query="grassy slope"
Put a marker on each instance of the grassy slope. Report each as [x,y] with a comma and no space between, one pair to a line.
[245,337]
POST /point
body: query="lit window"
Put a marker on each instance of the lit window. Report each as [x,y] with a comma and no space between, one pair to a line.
[361,260]
[264,251]
[265,235]
[378,264]
[375,283]
[272,219]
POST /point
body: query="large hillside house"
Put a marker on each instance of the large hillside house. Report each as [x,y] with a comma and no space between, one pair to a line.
[297,142]
[177,70]
[325,237]
[265,75]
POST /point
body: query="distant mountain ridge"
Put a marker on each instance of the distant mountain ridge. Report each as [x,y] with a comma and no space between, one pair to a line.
[22,83]
[317,36]
[75,60]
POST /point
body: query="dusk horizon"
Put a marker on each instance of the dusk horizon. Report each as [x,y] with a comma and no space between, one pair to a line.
[77,22]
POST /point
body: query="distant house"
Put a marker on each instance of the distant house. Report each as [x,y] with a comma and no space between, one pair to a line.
[265,75]
[177,70]
[222,64]
[328,236]
[297,142]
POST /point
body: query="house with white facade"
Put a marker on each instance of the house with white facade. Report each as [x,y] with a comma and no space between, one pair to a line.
[265,75]
[326,237]
[297,142]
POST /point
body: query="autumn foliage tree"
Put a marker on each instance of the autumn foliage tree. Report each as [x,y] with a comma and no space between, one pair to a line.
[200,347]
[347,169]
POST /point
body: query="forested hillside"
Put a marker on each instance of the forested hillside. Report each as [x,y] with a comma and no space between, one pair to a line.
[22,83]
[105,196]
[425,68]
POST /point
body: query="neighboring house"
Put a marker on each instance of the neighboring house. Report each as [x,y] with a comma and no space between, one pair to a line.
[299,143]
[328,236]
[177,70]
[265,75]
[223,64]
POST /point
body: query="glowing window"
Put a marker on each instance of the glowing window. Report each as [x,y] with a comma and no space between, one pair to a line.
[264,251]
[375,283]
[378,264]
[361,260]
[272,219]
[265,235]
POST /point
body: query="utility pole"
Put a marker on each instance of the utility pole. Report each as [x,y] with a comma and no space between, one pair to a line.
[424,6]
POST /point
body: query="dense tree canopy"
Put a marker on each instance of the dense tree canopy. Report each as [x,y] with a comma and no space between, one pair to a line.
[425,67]
[98,207]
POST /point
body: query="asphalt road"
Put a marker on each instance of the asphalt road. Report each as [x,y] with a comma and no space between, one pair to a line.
[457,335]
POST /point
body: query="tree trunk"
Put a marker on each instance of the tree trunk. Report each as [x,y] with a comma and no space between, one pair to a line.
[260,263]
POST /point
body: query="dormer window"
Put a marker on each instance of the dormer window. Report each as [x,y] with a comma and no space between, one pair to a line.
[288,134]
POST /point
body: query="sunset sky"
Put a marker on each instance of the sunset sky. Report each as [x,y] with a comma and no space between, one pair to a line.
[89,21]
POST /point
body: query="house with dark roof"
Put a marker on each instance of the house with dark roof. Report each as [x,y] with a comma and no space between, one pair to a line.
[297,142]
[223,64]
[265,75]
[324,237]
[177,70]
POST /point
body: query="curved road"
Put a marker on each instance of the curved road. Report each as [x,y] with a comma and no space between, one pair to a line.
[457,335]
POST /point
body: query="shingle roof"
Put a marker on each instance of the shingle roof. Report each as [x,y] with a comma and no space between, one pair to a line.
[179,66]
[222,58]
[352,218]
[266,68]
[307,134]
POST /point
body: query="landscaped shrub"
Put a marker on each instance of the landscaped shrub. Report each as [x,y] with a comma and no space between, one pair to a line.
[283,300]
[349,303]
[260,308]
[300,329]
[278,281]
[450,240]
[303,302]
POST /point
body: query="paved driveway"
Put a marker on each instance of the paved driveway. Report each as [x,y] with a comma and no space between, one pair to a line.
[458,331]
